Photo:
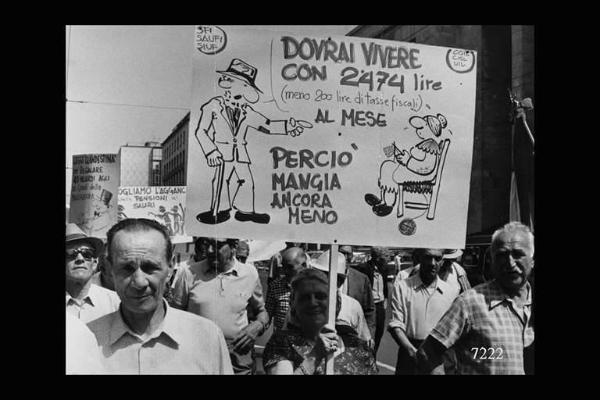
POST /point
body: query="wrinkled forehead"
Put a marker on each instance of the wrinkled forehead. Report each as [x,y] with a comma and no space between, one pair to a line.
[132,243]
[513,240]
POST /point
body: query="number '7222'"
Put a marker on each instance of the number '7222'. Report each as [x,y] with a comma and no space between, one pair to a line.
[487,354]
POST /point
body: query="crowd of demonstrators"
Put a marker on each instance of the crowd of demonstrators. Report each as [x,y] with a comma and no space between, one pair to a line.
[374,268]
[145,335]
[358,287]
[418,302]
[293,260]
[84,299]
[489,326]
[204,316]
[303,347]
[227,292]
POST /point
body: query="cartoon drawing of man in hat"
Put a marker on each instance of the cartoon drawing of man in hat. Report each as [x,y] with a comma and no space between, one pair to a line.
[221,133]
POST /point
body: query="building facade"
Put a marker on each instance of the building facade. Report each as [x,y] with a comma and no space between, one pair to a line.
[141,165]
[505,62]
[175,146]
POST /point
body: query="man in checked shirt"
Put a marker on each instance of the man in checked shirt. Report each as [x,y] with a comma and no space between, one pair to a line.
[490,325]
[293,260]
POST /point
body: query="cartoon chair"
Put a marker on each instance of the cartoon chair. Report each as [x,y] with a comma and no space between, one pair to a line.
[431,188]
[416,171]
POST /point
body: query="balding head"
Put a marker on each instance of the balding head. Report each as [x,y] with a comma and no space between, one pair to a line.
[380,255]
[293,260]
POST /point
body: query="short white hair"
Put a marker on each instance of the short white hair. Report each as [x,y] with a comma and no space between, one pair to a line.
[514,227]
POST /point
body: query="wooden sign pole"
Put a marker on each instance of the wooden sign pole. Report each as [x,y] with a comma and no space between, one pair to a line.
[333,263]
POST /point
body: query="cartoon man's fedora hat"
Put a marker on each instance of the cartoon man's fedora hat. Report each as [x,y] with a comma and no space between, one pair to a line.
[75,234]
[243,71]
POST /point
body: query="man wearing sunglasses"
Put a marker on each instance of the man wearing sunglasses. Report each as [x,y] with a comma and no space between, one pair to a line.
[84,299]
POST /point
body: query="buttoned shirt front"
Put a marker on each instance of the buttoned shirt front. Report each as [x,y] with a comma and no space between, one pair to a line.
[220,297]
[378,291]
[417,308]
[278,301]
[182,343]
[488,320]
[98,302]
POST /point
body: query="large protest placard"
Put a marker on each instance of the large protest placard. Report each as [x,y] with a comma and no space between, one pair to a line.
[165,204]
[331,140]
[93,192]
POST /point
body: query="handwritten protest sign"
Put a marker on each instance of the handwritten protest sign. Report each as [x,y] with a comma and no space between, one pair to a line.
[93,192]
[165,204]
[332,140]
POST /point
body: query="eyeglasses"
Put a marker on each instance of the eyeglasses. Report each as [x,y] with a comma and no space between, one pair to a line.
[87,254]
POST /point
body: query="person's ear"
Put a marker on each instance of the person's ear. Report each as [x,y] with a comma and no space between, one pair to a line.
[95,264]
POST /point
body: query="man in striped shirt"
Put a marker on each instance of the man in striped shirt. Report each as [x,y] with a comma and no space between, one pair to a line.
[490,325]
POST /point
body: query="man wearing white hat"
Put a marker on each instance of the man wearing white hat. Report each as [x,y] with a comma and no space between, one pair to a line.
[453,273]
[84,299]
[351,313]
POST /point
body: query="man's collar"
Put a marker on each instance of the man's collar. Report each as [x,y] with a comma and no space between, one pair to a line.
[232,271]
[439,284]
[167,326]
[89,297]
[498,296]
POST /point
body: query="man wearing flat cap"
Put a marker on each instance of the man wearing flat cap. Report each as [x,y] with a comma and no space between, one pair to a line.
[84,299]
[221,132]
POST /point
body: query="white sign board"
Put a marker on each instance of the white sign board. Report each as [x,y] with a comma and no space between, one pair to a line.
[165,204]
[332,140]
[94,193]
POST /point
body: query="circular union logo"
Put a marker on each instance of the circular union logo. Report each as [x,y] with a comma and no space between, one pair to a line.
[460,60]
[210,39]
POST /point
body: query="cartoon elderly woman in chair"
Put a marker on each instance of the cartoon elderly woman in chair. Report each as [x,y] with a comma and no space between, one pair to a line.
[415,171]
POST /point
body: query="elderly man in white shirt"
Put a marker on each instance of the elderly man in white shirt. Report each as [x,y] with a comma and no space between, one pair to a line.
[84,299]
[146,335]
[418,303]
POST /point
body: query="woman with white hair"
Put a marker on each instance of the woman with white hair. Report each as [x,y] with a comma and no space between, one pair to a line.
[303,346]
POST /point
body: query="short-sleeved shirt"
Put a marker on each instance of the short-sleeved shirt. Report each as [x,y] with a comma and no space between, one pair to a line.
[182,343]
[485,318]
[278,301]
[98,302]
[81,349]
[417,308]
[221,297]
[351,314]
